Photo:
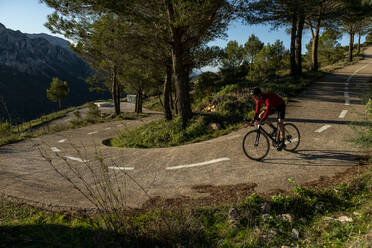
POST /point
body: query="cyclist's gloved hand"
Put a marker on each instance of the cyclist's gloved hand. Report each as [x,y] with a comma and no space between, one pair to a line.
[257,121]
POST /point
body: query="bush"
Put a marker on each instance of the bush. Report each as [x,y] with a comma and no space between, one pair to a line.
[5,128]
[93,112]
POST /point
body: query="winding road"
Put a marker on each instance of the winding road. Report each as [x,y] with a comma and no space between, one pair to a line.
[322,113]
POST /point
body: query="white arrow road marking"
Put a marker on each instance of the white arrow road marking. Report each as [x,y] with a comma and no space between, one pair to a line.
[77,159]
[292,140]
[62,140]
[92,132]
[198,164]
[343,113]
[121,168]
[55,149]
[319,130]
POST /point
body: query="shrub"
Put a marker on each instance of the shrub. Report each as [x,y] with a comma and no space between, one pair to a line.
[93,112]
[5,128]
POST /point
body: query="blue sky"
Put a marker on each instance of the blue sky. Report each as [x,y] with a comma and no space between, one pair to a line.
[29,16]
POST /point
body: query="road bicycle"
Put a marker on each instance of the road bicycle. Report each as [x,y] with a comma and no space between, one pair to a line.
[256,143]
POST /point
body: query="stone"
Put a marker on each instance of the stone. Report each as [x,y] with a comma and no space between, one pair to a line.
[215,126]
[345,219]
[287,217]
[233,216]
[295,234]
[357,214]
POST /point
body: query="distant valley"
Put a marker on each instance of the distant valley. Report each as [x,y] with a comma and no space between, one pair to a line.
[28,62]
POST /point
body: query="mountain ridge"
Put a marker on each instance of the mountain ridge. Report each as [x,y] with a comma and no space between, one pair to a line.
[28,62]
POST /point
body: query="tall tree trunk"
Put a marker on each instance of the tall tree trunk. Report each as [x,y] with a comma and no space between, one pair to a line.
[358,52]
[138,105]
[300,28]
[115,91]
[181,75]
[314,51]
[181,82]
[351,45]
[293,45]
[315,44]
[171,98]
[167,93]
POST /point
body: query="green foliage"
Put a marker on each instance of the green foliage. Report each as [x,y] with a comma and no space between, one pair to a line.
[57,91]
[363,137]
[170,133]
[234,55]
[251,48]
[5,129]
[205,85]
[77,114]
[369,38]
[329,49]
[93,112]
[268,61]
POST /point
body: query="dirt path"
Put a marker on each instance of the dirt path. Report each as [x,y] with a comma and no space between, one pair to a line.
[322,113]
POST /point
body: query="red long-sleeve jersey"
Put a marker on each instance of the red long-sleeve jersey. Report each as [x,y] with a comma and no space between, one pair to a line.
[271,101]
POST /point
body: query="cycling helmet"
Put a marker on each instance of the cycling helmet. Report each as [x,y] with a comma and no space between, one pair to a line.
[256,92]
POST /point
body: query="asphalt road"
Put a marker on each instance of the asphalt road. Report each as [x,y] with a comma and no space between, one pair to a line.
[322,113]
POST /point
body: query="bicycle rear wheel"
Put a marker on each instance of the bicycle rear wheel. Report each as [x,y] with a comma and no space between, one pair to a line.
[292,137]
[255,145]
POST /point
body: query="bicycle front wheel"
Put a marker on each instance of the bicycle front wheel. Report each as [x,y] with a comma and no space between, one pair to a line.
[255,145]
[292,137]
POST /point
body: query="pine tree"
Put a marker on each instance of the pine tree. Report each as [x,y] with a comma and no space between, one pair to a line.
[58,91]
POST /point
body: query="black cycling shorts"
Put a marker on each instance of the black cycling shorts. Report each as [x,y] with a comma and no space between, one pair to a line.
[280,110]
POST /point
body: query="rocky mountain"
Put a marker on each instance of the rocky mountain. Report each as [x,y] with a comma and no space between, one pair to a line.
[28,62]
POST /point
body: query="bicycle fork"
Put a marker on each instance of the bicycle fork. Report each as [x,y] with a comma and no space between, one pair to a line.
[257,141]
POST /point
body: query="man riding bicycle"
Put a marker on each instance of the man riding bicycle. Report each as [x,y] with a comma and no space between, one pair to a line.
[274,103]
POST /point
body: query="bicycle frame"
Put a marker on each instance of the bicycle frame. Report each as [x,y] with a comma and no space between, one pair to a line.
[261,129]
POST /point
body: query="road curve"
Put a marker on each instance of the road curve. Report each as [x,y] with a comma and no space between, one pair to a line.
[322,114]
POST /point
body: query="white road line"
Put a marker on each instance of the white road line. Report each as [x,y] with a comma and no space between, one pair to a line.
[92,132]
[319,130]
[222,140]
[343,113]
[293,140]
[346,94]
[77,159]
[347,101]
[62,140]
[121,168]
[355,72]
[55,149]
[198,164]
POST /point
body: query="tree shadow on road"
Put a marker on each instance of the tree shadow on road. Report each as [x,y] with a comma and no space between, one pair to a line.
[300,120]
[326,157]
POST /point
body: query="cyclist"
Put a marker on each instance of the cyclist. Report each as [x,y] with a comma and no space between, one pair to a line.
[274,103]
